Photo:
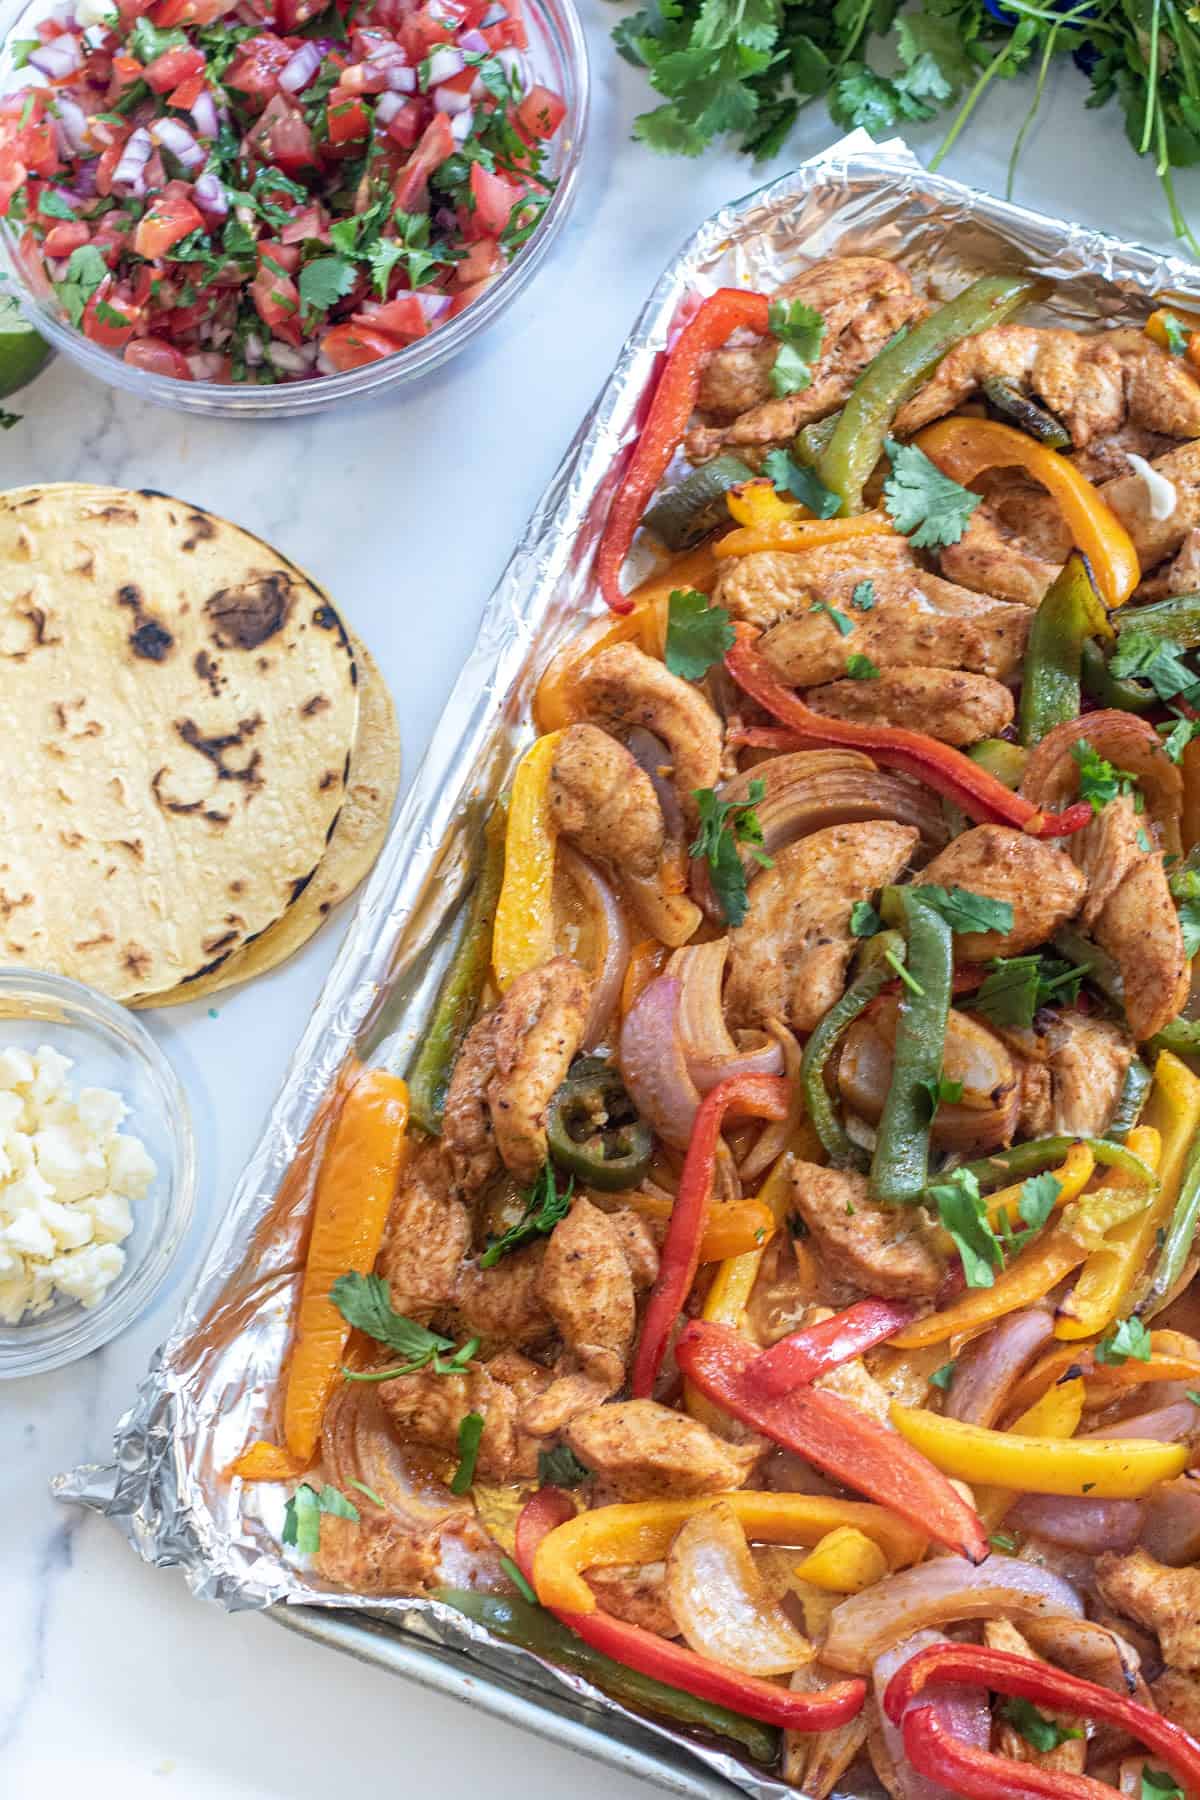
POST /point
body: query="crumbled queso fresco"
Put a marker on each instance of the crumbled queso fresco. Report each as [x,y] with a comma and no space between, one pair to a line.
[67,1176]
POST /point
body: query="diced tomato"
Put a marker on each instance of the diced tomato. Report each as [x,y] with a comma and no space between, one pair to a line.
[12,177]
[348,119]
[126,70]
[404,128]
[185,96]
[182,322]
[494,199]
[401,318]
[310,222]
[27,132]
[112,236]
[352,346]
[257,71]
[508,34]
[172,67]
[423,30]
[468,296]
[107,165]
[411,192]
[276,297]
[541,112]
[482,261]
[188,12]
[110,318]
[286,255]
[462,83]
[158,357]
[291,13]
[282,137]
[167,219]
[66,237]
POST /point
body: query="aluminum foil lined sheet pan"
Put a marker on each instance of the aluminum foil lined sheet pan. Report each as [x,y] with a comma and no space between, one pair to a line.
[202,1399]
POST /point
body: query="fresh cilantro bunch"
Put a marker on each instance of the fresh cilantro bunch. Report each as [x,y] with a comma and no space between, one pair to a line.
[724,825]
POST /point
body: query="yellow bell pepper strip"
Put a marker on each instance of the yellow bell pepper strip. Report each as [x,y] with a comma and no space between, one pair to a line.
[1105,1468]
[761,503]
[964,448]
[355,1185]
[1072,1176]
[844,1562]
[1056,1415]
[523,936]
[673,1663]
[1043,1376]
[802,534]
[1109,1276]
[641,1532]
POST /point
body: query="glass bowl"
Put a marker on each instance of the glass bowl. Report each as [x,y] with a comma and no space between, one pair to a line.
[109,1048]
[558,57]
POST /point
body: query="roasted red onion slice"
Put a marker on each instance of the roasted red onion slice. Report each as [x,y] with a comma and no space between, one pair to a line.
[985,1372]
[613,934]
[712,1055]
[1078,1523]
[963,1711]
[653,1066]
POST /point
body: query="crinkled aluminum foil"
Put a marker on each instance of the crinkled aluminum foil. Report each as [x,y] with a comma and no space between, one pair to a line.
[201,1400]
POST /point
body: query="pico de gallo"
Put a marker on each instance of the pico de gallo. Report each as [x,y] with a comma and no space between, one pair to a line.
[271,190]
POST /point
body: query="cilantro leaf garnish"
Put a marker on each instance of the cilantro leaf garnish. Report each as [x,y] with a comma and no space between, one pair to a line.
[146,41]
[941,1378]
[372,1496]
[1158,660]
[698,635]
[302,1516]
[1039,1731]
[803,484]
[929,508]
[545,1208]
[1177,735]
[965,911]
[1158,1785]
[863,596]
[844,625]
[1176,335]
[1099,781]
[724,824]
[470,1434]
[325,281]
[365,1303]
[942,1092]
[861,668]
[963,1212]
[53,206]
[864,920]
[1017,985]
[560,1467]
[799,329]
[1003,1541]
[518,1580]
[1129,1338]
[86,269]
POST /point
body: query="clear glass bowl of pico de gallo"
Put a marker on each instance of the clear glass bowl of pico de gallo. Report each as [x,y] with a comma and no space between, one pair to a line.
[262,207]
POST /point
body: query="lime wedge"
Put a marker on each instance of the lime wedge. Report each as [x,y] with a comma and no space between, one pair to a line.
[23,354]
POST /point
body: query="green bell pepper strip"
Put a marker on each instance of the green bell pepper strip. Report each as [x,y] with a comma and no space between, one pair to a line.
[1102,970]
[1000,758]
[1071,611]
[811,441]
[1181,1036]
[867,985]
[1177,618]
[899,370]
[534,1629]
[1179,1240]
[899,1167]
[1114,690]
[593,1130]
[1132,1098]
[1006,1166]
[458,997]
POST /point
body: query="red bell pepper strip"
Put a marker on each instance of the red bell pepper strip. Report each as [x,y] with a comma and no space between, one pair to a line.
[934,1751]
[712,325]
[802,1356]
[841,1439]
[947,771]
[673,1663]
[749,1096]
[1025,1678]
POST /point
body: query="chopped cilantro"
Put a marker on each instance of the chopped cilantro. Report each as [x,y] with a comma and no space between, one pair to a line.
[1129,1338]
[9,419]
[325,281]
[86,269]
[861,668]
[1017,985]
[302,1516]
[1099,781]
[962,1210]
[724,825]
[864,920]
[799,330]
[365,1303]
[964,911]
[560,1467]
[470,1434]
[929,508]
[1177,735]
[1176,336]
[942,1092]
[1158,660]
[545,1207]
[845,625]
[146,41]
[108,315]
[1037,1730]
[803,484]
[1003,1541]
[372,1496]
[863,596]
[698,635]
[941,1378]
[53,206]
[19,49]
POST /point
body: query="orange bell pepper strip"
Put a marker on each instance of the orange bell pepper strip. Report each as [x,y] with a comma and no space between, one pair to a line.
[355,1186]
[523,934]
[801,534]
[947,771]
[711,325]
[964,448]
[1156,330]
[551,1509]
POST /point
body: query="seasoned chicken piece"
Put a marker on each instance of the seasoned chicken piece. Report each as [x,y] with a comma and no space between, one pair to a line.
[1129,497]
[1014,544]
[637,1243]
[510,1066]
[1140,928]
[1164,1600]
[1104,458]
[917,620]
[377,1556]
[886,1251]
[1177,1697]
[764,587]
[642,1450]
[1040,882]
[1073,1066]
[427,1408]
[1093,382]
[863,300]
[587,1288]
[604,802]
[1035,1115]
[428,1235]
[948,704]
[1182,574]
[1106,850]
[624,686]
[634,1592]
[789,957]
[503,1304]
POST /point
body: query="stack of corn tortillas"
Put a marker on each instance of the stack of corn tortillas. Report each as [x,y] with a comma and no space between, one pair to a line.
[199,759]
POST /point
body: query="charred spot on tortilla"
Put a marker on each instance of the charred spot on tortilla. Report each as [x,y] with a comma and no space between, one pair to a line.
[151,640]
[209,672]
[244,617]
[202,530]
[8,905]
[139,962]
[327,781]
[217,748]
[317,704]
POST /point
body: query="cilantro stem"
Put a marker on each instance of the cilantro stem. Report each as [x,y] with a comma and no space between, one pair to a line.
[1152,106]
[1034,108]
[967,108]
[856,31]
[910,981]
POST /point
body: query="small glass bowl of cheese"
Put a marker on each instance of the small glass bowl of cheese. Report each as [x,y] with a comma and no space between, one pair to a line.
[97,1170]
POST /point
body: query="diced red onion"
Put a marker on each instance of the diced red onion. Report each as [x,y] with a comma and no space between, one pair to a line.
[434,306]
[988,1368]
[83,178]
[210,194]
[653,1066]
[401,79]
[204,115]
[58,58]
[473,43]
[96,36]
[386,108]
[1171,1527]
[462,125]
[205,365]
[444,218]
[606,983]
[295,75]
[495,14]
[444,62]
[171,135]
[134,157]
[286,357]
[515,67]
[56,267]
[651,755]
[253,349]
[1078,1523]
[70,123]
[963,1711]
[450,100]
[325,366]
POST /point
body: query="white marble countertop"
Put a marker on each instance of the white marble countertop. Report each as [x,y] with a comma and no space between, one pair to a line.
[114,1682]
